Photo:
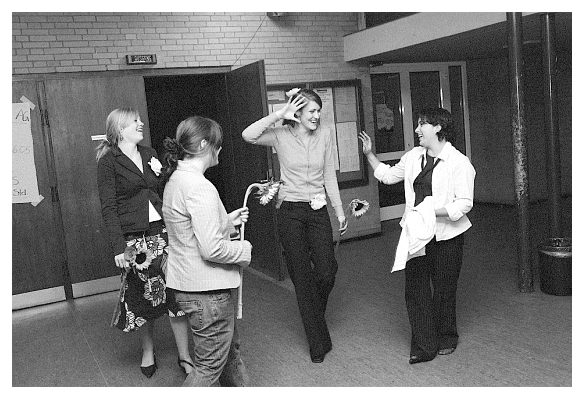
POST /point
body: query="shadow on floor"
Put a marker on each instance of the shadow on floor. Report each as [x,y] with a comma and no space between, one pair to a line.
[507,338]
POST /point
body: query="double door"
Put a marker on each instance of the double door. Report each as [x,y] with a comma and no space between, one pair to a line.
[399,91]
[59,248]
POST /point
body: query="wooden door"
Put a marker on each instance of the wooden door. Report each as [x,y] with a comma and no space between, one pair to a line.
[247,102]
[78,109]
[38,257]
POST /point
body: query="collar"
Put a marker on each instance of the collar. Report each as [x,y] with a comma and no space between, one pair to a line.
[444,154]
[190,166]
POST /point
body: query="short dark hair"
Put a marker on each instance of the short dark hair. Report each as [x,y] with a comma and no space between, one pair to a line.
[439,116]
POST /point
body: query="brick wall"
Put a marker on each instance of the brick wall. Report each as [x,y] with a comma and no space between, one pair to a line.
[296,47]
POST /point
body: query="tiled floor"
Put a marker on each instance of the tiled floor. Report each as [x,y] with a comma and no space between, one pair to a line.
[507,338]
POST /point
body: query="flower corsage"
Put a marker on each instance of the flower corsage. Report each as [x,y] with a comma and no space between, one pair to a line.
[292,92]
[155,165]
[318,201]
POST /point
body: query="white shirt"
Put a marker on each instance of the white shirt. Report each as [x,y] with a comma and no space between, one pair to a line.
[453,179]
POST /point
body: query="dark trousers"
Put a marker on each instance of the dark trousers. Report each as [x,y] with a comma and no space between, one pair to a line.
[306,237]
[431,310]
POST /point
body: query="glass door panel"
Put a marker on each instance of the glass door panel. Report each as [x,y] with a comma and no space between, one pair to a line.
[425,91]
[399,91]
[457,109]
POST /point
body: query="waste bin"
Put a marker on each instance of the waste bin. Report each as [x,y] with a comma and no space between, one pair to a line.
[554,260]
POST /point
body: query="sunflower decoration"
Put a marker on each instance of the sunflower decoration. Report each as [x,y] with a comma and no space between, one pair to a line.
[267,190]
[139,256]
[359,207]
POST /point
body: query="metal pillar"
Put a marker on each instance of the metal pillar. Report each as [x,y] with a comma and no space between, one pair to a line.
[514,24]
[551,123]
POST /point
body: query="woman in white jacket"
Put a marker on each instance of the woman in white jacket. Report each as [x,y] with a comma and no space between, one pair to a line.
[437,169]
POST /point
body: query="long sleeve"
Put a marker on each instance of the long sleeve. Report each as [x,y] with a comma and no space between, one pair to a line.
[330,180]
[390,175]
[106,177]
[260,133]
[463,185]
[207,213]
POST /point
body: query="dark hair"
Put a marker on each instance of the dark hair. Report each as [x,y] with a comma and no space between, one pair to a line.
[309,95]
[187,143]
[439,116]
[118,119]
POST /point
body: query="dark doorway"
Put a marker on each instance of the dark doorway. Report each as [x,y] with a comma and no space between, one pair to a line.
[171,99]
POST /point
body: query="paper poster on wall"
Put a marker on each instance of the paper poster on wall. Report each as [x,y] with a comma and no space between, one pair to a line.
[24,174]
[276,95]
[327,119]
[345,104]
[384,117]
[347,143]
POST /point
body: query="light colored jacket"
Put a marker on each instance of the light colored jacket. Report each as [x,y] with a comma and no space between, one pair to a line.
[453,180]
[201,255]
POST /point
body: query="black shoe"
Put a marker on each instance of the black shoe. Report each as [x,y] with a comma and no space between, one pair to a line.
[179,362]
[415,359]
[320,358]
[150,370]
[444,352]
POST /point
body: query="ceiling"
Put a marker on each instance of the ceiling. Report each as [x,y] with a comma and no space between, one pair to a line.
[486,42]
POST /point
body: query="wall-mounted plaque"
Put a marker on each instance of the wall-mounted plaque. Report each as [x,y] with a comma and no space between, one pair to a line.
[141,59]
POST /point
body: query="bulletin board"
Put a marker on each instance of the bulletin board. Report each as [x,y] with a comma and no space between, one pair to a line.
[342,113]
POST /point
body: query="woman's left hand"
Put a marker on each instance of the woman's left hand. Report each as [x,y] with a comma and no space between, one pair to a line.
[342,225]
[239,216]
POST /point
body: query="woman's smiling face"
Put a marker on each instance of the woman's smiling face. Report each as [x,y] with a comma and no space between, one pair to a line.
[310,115]
[133,132]
[427,133]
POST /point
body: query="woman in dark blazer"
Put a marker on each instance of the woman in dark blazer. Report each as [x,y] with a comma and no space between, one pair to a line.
[129,188]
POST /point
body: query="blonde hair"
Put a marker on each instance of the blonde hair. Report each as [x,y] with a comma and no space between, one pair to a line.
[118,119]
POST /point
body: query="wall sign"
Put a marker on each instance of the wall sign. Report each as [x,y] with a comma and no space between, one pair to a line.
[25,187]
[140,59]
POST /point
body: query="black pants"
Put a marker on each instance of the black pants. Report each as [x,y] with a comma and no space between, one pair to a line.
[431,311]
[306,237]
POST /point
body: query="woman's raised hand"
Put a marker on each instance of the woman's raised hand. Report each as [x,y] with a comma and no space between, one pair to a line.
[366,142]
[291,107]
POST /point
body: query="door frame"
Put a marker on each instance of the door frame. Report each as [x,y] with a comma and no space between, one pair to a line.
[404,70]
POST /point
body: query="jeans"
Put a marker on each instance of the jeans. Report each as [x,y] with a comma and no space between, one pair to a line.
[307,238]
[217,357]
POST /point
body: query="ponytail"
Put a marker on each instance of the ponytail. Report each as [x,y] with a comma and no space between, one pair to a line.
[174,153]
[102,149]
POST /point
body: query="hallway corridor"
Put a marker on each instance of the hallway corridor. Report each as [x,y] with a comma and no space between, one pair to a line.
[507,338]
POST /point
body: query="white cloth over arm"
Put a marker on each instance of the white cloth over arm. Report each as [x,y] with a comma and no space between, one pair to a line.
[418,229]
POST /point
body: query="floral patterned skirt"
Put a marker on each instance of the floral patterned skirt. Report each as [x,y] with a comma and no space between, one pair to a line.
[143,293]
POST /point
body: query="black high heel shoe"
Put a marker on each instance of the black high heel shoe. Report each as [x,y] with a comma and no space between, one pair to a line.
[179,362]
[150,370]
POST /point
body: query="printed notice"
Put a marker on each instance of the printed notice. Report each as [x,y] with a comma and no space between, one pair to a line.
[348,146]
[24,174]
[327,120]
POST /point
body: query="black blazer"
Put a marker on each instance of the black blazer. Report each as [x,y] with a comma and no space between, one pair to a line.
[124,194]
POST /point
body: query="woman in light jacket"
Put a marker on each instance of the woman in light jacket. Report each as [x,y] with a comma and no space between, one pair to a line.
[203,261]
[437,169]
[305,154]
